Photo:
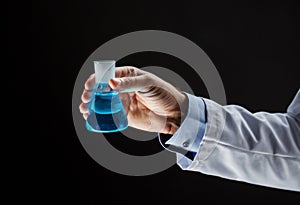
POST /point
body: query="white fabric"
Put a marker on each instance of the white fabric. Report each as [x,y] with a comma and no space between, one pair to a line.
[260,148]
[190,127]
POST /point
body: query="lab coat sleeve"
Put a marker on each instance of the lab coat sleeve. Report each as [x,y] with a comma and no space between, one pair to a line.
[260,148]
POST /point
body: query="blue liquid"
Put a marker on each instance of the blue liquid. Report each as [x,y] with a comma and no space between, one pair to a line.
[106,113]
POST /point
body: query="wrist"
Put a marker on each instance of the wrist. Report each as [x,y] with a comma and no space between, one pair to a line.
[179,113]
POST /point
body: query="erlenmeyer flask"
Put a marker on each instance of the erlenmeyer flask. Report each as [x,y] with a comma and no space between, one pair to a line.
[106,112]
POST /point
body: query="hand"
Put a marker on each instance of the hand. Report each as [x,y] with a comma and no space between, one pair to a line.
[150,103]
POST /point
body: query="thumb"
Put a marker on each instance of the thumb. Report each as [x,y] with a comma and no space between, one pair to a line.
[130,84]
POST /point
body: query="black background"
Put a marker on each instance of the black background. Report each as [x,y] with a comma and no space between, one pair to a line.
[254,46]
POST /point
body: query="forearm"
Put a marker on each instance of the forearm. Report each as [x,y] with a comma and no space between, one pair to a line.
[260,148]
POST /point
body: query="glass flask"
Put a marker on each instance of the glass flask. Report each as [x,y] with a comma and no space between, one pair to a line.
[106,112]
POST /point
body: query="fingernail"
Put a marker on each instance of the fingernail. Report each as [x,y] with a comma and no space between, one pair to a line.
[115,82]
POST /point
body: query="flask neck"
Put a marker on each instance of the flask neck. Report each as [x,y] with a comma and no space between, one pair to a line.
[103,88]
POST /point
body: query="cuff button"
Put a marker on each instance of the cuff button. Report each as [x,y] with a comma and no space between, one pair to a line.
[185,144]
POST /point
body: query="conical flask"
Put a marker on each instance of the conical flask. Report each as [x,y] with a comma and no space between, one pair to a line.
[106,112]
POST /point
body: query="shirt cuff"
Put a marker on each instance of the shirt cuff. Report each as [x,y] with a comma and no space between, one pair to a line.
[191,131]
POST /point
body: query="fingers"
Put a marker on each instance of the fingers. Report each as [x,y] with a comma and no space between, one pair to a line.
[85,115]
[131,79]
[127,71]
[86,96]
[130,84]
[83,107]
[90,83]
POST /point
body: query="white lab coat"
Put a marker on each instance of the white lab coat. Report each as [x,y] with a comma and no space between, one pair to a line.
[260,148]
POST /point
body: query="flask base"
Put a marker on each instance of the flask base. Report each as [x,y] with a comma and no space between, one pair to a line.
[106,123]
